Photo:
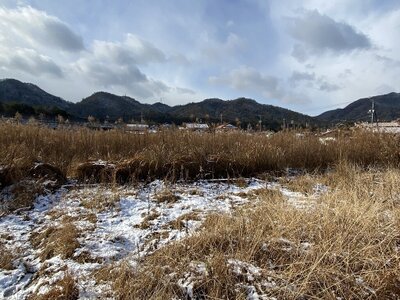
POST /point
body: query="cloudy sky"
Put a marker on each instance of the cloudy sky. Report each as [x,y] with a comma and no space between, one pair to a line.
[308,56]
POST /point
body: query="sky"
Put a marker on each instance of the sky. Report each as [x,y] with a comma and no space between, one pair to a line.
[309,56]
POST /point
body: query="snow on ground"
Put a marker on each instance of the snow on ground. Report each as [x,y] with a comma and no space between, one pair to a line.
[134,222]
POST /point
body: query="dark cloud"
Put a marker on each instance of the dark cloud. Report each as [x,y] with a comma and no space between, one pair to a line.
[321,33]
[300,53]
[59,35]
[28,61]
[312,80]
[301,76]
[106,74]
[116,64]
[328,87]
[245,78]
[185,91]
[387,61]
[125,76]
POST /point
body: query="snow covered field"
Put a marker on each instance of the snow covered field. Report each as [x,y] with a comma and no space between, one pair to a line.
[112,224]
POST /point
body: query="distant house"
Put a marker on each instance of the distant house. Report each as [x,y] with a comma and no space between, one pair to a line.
[389,127]
[196,126]
[330,133]
[227,127]
[94,126]
[136,127]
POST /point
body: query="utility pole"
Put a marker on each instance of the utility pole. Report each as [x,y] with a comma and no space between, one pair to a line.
[260,122]
[373,112]
[220,116]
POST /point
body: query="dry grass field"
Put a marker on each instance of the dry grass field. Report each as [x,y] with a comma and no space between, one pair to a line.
[183,215]
[178,154]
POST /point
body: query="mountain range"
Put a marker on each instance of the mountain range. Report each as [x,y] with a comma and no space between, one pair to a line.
[16,95]
[387,108]
[103,105]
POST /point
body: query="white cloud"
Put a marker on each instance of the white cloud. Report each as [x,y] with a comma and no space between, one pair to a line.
[215,50]
[133,50]
[249,80]
[26,24]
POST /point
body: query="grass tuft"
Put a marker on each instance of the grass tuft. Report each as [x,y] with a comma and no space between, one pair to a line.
[64,289]
[61,240]
[6,258]
[166,196]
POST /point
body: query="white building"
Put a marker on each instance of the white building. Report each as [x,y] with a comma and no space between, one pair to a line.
[136,127]
[196,126]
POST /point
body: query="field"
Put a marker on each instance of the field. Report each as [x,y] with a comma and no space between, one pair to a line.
[187,215]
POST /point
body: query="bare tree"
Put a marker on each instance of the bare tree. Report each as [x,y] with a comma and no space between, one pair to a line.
[91,119]
[18,117]
[60,119]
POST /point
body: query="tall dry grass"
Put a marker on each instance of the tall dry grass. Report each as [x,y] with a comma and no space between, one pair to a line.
[345,248]
[177,154]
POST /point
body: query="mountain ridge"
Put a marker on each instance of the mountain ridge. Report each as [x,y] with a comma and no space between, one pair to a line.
[103,105]
[13,90]
[241,111]
[387,108]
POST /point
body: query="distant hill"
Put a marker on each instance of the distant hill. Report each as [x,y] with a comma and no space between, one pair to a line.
[387,108]
[243,110]
[15,91]
[103,105]
[161,107]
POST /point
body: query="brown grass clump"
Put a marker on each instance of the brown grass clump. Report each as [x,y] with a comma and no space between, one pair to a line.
[241,182]
[6,176]
[272,194]
[166,196]
[146,221]
[302,183]
[196,192]
[102,200]
[46,172]
[85,257]
[95,172]
[53,241]
[6,258]
[91,217]
[64,289]
[347,247]
[24,194]
[180,222]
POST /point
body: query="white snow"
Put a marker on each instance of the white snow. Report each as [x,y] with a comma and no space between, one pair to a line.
[120,233]
[117,233]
